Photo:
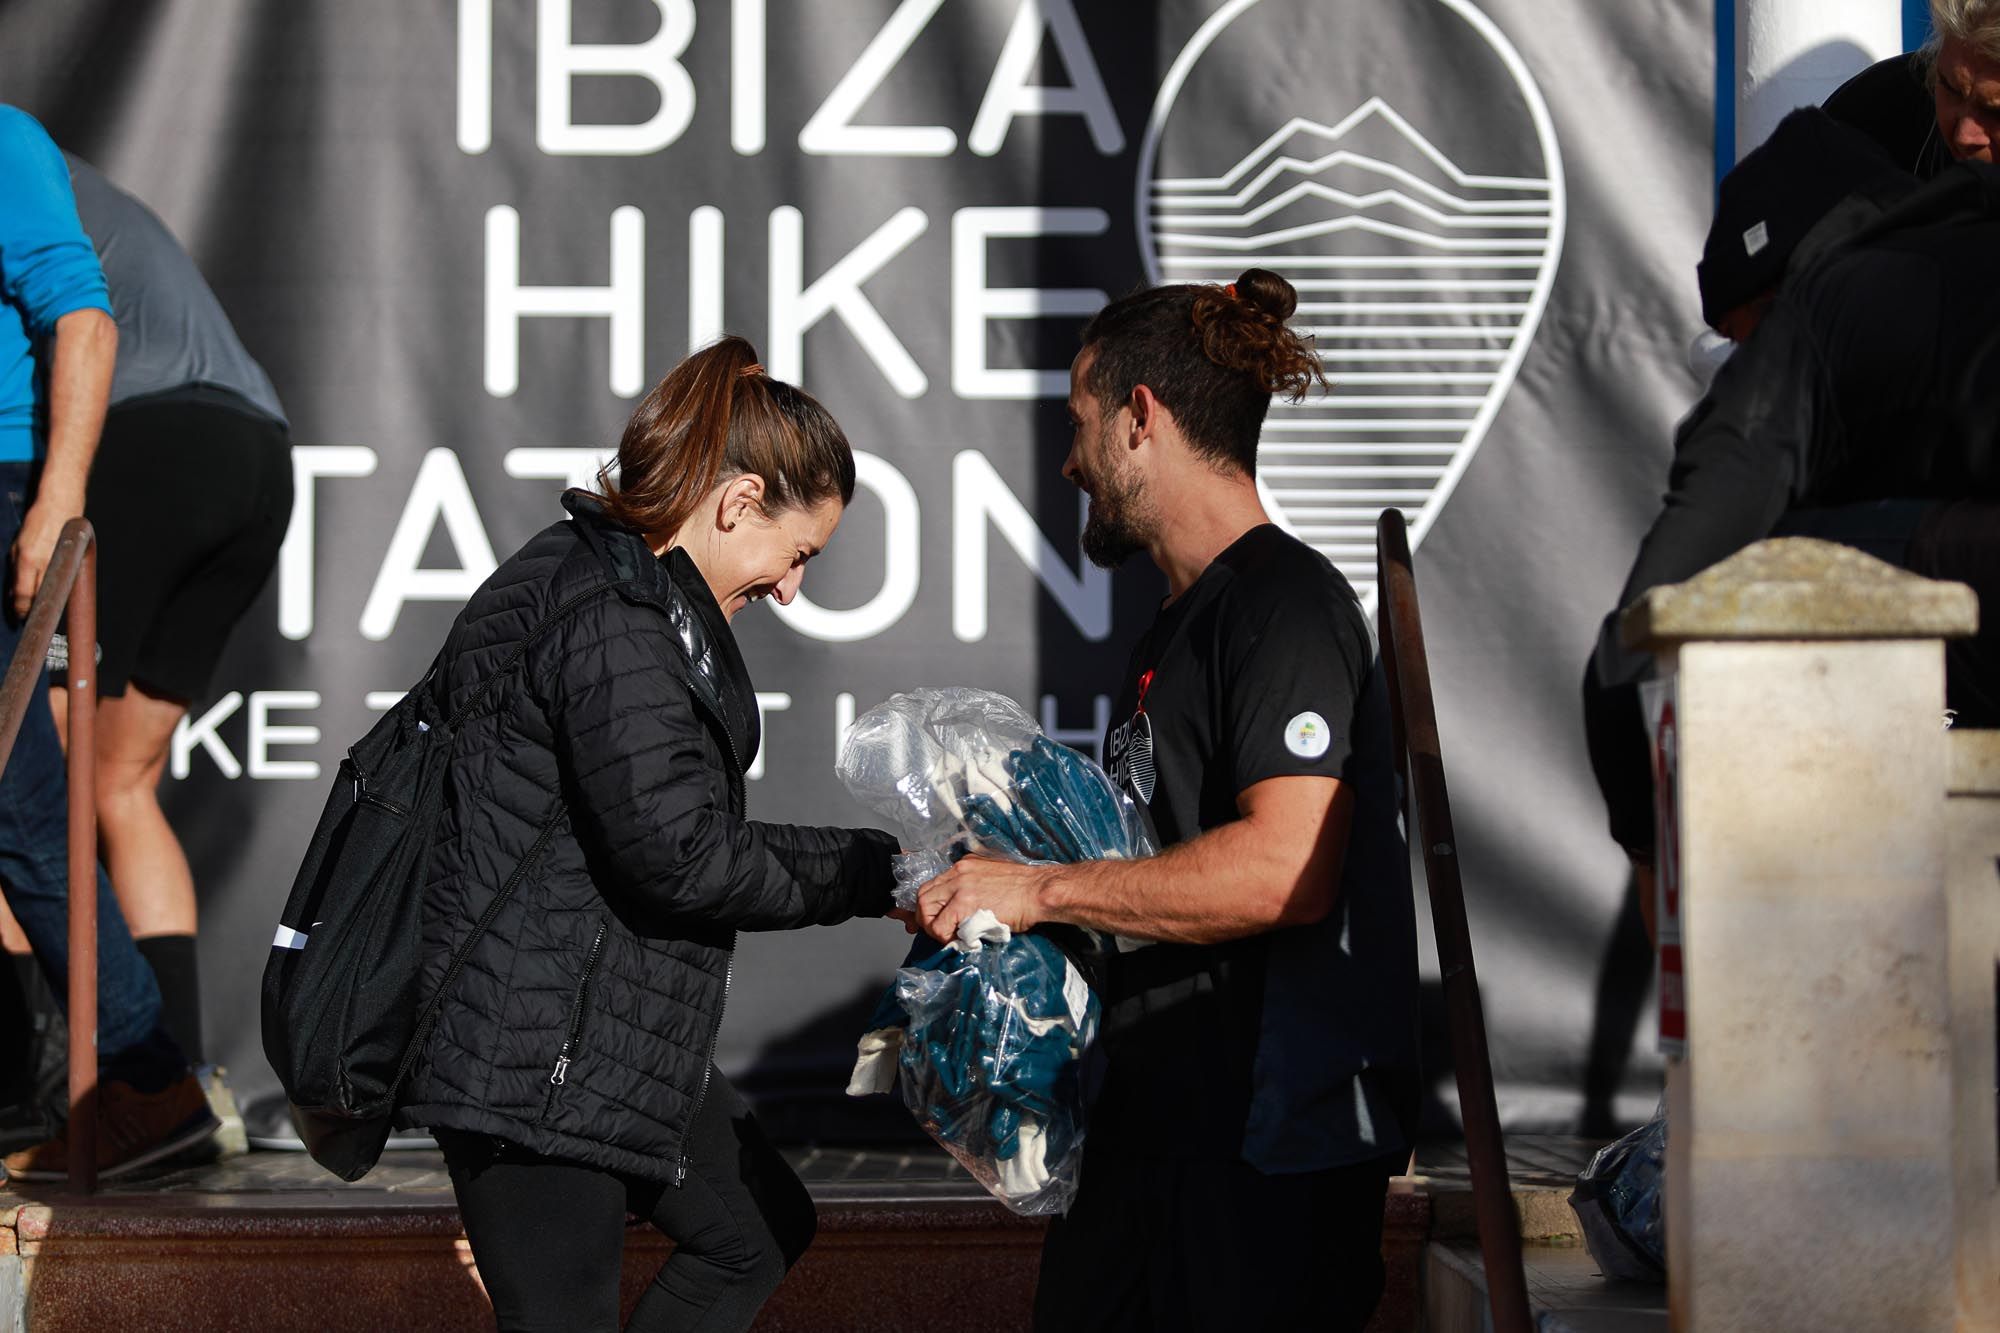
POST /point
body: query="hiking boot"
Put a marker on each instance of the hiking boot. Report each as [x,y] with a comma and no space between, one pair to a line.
[230,1140]
[134,1129]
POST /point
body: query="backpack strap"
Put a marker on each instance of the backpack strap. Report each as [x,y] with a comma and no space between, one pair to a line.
[426,1021]
[520,650]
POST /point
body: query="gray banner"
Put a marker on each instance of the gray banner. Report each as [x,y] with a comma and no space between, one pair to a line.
[462,238]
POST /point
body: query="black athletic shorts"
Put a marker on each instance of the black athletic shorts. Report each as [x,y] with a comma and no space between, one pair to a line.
[190,497]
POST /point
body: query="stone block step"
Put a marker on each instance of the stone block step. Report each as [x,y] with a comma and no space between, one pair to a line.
[1567,1292]
[168,1266]
[269,1242]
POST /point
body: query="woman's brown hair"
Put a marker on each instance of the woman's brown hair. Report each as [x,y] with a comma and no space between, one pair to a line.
[1212,354]
[715,416]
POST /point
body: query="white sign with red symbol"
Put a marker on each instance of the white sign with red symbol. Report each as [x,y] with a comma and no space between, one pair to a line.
[1661,723]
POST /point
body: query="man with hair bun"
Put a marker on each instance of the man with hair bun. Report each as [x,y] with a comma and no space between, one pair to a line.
[1260,1083]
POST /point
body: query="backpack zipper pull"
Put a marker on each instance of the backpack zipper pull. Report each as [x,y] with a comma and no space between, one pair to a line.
[562,1070]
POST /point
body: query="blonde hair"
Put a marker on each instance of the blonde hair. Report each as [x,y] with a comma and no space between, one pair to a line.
[1974,22]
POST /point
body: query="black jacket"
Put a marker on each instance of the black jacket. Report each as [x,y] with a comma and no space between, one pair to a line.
[606,773]
[1872,377]
[1891,103]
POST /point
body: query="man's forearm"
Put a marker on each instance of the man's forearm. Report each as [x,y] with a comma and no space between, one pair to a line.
[1233,881]
[86,350]
[1277,865]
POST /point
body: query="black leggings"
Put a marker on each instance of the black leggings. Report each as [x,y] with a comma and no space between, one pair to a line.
[549,1236]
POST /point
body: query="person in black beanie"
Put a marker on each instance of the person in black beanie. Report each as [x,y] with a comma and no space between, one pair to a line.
[1857,407]
[1768,205]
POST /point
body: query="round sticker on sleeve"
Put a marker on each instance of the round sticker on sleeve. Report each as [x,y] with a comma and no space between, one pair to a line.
[1308,736]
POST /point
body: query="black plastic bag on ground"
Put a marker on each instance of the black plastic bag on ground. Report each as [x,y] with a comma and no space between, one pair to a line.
[1619,1201]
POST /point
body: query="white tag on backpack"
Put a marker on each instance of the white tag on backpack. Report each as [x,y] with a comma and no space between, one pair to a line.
[1756,239]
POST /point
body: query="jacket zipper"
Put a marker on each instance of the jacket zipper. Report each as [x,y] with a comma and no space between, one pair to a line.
[499,900]
[736,786]
[560,1075]
[708,1065]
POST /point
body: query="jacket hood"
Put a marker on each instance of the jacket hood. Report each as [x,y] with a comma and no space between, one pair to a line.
[672,583]
[1965,192]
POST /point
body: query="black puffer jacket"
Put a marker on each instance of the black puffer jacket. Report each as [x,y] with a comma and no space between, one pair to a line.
[606,773]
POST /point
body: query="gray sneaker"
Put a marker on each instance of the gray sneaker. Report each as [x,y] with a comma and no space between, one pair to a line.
[267,1122]
[230,1140]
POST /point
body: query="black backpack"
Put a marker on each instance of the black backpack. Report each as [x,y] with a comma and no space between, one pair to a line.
[342,1021]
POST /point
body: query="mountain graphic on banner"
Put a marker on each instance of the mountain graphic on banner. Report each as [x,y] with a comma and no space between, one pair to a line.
[1420,280]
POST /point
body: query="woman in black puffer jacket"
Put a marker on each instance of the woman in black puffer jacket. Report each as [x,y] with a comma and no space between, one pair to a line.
[570,1076]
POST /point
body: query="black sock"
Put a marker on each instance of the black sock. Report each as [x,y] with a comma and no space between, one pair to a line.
[172,958]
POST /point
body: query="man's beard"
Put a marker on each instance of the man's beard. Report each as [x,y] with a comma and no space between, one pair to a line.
[1117,526]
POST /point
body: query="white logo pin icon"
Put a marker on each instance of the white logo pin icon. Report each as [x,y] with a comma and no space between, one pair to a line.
[1423,239]
[1308,736]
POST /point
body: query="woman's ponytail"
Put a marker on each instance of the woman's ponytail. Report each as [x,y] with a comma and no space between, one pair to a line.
[718,415]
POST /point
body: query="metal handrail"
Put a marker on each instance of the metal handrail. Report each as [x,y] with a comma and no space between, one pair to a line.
[70,582]
[1420,765]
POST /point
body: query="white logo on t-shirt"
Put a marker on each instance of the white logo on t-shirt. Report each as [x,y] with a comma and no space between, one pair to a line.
[1129,758]
[1308,736]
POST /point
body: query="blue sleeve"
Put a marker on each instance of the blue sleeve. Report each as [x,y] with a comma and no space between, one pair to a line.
[47,265]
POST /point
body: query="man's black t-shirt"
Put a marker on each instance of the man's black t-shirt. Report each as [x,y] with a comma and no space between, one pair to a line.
[1294,1050]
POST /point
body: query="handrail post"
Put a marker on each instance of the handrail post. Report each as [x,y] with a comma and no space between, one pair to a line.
[70,579]
[82,763]
[1420,763]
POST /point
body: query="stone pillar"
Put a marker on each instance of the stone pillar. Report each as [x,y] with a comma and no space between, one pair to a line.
[1809,1179]
[1972,816]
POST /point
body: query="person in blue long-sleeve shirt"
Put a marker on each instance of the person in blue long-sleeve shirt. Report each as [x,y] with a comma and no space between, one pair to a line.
[58,346]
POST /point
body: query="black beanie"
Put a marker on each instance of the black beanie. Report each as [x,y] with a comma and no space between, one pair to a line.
[1773,197]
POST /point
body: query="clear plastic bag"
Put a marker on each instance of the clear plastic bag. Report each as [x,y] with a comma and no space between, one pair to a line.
[1619,1201]
[962,770]
[985,1037]
[987,1044]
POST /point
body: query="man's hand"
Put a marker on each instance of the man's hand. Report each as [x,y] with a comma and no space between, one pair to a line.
[35,544]
[1010,891]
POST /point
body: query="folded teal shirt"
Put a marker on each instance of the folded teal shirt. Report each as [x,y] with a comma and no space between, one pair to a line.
[47,270]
